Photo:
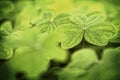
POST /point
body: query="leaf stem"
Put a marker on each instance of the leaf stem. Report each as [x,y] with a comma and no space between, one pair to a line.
[83,40]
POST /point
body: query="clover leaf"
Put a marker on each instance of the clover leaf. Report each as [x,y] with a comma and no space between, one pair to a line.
[107,69]
[26,60]
[33,60]
[116,38]
[62,18]
[100,34]
[25,37]
[6,52]
[5,8]
[82,61]
[70,35]
[25,16]
[49,24]
[93,28]
[7,26]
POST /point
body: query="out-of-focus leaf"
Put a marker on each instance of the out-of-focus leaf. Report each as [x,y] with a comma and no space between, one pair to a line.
[43,3]
[25,16]
[61,6]
[88,7]
[52,50]
[5,8]
[70,74]
[5,51]
[107,69]
[27,37]
[45,15]
[28,61]
[83,59]
[7,26]
[81,62]
[33,60]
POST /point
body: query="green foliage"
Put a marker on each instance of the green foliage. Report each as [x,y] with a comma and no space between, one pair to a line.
[5,8]
[81,62]
[93,28]
[7,26]
[59,40]
[33,60]
[107,69]
[25,16]
[70,35]
[104,32]
[49,24]
[5,51]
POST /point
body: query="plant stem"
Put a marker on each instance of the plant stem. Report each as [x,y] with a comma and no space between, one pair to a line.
[83,40]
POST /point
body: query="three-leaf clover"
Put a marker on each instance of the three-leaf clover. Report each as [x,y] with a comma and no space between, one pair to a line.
[47,23]
[94,28]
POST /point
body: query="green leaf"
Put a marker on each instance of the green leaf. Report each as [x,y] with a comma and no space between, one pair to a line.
[79,19]
[95,19]
[107,69]
[49,24]
[48,27]
[6,52]
[3,33]
[51,49]
[5,8]
[70,35]
[61,19]
[70,74]
[25,16]
[45,15]
[28,61]
[100,34]
[116,38]
[7,26]
[82,61]
[94,28]
[33,60]
[27,37]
